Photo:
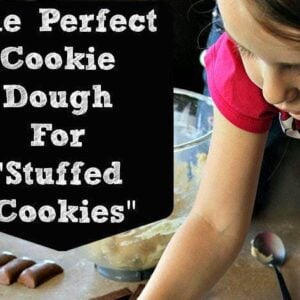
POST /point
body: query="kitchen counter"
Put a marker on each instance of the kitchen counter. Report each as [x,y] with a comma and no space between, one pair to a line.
[246,279]
[249,279]
[80,280]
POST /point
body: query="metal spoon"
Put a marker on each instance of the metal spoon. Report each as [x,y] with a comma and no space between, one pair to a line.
[269,249]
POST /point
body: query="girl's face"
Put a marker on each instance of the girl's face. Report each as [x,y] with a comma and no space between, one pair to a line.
[271,62]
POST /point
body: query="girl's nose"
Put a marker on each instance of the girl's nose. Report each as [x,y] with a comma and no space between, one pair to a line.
[277,88]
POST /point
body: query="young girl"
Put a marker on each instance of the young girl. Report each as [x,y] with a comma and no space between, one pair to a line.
[254,76]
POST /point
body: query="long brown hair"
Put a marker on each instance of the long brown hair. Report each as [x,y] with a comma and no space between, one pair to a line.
[274,13]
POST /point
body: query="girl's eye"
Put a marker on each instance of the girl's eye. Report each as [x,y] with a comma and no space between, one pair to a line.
[245,53]
[292,67]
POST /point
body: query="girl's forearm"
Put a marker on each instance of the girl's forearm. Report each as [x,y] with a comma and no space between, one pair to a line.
[197,256]
[207,243]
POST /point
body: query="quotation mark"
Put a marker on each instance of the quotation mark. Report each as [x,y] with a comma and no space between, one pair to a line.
[131,204]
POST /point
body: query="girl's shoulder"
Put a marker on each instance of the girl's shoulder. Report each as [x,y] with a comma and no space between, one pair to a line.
[235,95]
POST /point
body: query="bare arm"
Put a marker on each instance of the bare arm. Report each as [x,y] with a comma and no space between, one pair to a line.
[210,239]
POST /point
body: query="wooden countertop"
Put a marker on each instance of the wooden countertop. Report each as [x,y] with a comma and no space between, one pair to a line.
[79,281]
[246,279]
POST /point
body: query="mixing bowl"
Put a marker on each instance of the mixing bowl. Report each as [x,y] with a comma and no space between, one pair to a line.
[133,255]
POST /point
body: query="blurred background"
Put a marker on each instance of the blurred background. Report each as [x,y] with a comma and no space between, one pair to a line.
[191,27]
